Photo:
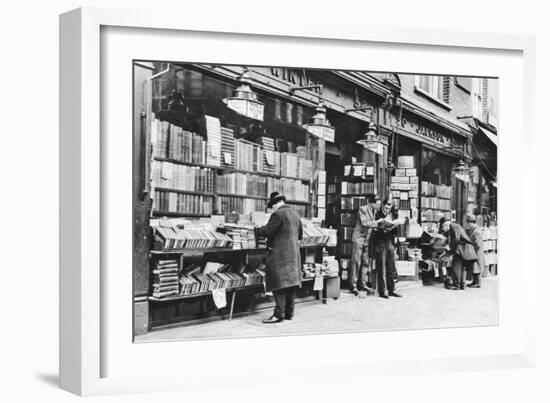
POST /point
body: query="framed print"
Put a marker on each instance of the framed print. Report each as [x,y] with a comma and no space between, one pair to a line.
[285,196]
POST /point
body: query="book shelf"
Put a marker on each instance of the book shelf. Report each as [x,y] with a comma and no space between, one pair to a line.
[199,169]
[435,203]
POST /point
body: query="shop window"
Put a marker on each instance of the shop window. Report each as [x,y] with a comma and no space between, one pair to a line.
[435,87]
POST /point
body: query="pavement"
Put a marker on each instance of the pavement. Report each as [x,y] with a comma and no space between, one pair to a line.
[421,307]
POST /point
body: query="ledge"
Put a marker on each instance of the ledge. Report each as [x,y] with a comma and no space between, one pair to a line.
[435,100]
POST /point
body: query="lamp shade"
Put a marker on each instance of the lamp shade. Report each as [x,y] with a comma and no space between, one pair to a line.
[244,101]
[319,126]
[371,141]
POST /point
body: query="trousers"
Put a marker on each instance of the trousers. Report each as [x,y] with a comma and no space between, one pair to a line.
[359,267]
[284,302]
[459,269]
[385,263]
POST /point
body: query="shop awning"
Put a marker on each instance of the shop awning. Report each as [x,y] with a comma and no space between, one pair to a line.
[491,136]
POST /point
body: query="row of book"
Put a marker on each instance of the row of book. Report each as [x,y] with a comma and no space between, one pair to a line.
[242,184]
[171,141]
[199,282]
[435,203]
[165,278]
[490,245]
[190,238]
[295,165]
[292,189]
[441,191]
[346,233]
[313,235]
[185,204]
[412,188]
[435,215]
[353,188]
[239,205]
[348,218]
[352,203]
[181,177]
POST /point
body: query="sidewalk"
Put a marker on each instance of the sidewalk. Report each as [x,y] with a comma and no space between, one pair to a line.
[421,307]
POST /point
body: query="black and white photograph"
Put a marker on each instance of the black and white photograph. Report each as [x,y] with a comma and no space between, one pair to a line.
[277,200]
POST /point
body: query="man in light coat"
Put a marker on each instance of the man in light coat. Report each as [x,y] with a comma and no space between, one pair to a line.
[476,236]
[283,261]
[360,252]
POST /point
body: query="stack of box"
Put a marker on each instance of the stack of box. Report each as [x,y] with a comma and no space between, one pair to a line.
[404,187]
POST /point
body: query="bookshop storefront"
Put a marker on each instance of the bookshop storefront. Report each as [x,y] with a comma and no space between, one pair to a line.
[210,167]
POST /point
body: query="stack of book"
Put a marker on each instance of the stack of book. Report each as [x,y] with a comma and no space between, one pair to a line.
[184,204]
[228,148]
[242,235]
[181,177]
[165,278]
[214,140]
[188,283]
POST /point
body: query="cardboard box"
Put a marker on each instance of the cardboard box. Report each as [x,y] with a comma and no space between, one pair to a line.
[413,179]
[406,269]
[395,194]
[410,172]
[403,195]
[405,161]
[399,179]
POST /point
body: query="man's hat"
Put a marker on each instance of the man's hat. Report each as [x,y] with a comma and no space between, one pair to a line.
[275,197]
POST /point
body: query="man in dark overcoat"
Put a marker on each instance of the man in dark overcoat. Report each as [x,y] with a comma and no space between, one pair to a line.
[475,234]
[283,261]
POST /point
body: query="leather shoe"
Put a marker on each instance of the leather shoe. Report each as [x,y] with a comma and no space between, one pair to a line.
[395,294]
[272,319]
[383,296]
[355,291]
[475,286]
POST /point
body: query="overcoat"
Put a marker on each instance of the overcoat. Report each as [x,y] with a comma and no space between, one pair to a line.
[283,261]
[476,236]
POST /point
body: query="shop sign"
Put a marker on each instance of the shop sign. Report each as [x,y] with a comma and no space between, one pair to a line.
[425,132]
[253,110]
[322,132]
[295,77]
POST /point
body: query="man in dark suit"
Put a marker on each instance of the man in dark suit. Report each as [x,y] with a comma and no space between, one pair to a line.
[283,261]
[384,250]
[360,252]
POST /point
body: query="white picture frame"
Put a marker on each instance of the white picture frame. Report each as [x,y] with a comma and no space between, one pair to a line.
[83,305]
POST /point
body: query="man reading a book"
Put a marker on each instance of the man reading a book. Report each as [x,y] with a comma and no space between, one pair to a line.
[384,249]
[360,252]
[283,261]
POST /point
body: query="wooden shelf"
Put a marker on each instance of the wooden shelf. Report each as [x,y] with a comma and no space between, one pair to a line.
[242,196]
[191,192]
[217,250]
[230,170]
[180,297]
[175,214]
